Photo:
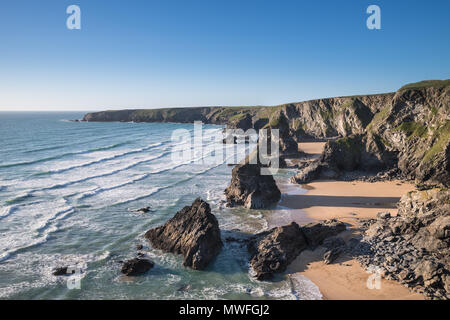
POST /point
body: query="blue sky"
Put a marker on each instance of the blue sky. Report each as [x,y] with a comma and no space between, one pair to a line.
[148,54]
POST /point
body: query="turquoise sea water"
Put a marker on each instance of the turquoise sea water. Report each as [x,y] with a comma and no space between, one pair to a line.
[67,195]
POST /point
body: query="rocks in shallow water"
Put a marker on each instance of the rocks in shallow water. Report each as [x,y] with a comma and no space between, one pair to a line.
[414,246]
[143,210]
[251,189]
[136,266]
[272,251]
[193,232]
[139,247]
[184,288]
[61,271]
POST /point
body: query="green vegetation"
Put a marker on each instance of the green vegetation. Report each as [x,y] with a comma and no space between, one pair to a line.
[237,117]
[349,143]
[326,115]
[441,137]
[413,129]
[426,84]
[275,122]
[434,111]
[379,117]
[348,104]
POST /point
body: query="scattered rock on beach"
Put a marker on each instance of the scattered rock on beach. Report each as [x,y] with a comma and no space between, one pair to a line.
[136,266]
[383,215]
[414,246]
[193,232]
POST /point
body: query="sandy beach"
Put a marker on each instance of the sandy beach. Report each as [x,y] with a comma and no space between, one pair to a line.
[346,201]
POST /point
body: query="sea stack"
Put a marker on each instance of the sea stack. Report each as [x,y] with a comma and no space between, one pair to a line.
[193,232]
[251,189]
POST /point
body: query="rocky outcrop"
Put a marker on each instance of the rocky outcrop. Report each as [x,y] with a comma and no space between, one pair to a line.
[136,266]
[410,134]
[272,251]
[193,232]
[318,118]
[317,232]
[408,129]
[251,189]
[414,247]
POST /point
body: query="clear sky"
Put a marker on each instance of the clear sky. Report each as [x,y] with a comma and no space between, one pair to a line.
[148,54]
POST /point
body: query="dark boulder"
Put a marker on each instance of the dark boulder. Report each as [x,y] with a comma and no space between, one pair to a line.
[61,271]
[193,232]
[317,232]
[274,250]
[251,189]
[136,266]
[331,255]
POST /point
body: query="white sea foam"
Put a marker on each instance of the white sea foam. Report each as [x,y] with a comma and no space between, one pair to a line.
[6,211]
[98,157]
[31,225]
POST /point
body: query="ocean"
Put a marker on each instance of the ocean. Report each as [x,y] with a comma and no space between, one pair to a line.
[68,191]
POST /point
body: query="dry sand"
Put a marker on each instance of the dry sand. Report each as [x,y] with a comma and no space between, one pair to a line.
[313,148]
[345,278]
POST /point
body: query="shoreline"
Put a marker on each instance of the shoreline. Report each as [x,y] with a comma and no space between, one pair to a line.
[347,201]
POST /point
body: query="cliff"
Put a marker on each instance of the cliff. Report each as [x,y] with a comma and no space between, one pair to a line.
[409,135]
[408,129]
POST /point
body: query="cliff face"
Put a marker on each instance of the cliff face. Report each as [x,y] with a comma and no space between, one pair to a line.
[411,133]
[316,118]
[408,129]
[416,126]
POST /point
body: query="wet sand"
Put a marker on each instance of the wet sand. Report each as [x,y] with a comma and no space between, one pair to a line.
[346,201]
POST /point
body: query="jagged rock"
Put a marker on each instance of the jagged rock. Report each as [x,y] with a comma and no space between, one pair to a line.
[414,246]
[331,255]
[310,172]
[408,129]
[251,189]
[333,242]
[316,233]
[136,266]
[274,250]
[383,215]
[60,271]
[287,143]
[193,232]
[240,121]
[139,247]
